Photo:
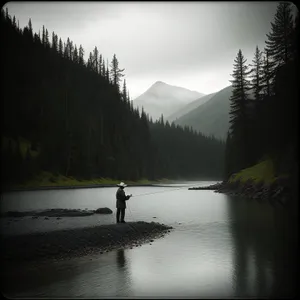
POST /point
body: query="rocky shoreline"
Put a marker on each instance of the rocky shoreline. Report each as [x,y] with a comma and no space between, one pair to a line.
[64,244]
[279,191]
[210,187]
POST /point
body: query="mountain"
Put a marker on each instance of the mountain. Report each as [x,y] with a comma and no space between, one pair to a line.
[162,98]
[189,107]
[212,117]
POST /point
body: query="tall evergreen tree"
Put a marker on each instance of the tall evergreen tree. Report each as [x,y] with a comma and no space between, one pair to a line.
[60,47]
[30,27]
[66,50]
[54,41]
[116,72]
[14,22]
[241,86]
[279,42]
[100,65]
[267,82]
[107,72]
[239,125]
[44,36]
[75,55]
[257,74]
[124,92]
[95,63]
[81,55]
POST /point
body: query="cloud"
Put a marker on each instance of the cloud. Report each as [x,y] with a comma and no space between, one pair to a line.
[188,43]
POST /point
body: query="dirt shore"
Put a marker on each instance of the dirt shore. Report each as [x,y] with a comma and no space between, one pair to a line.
[68,243]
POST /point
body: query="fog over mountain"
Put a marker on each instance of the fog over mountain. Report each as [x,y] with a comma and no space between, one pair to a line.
[190,107]
[212,117]
[162,98]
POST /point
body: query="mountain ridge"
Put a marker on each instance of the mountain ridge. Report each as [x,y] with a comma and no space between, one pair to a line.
[162,98]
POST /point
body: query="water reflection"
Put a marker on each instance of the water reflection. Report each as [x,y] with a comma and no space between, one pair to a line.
[121,259]
[223,247]
[260,246]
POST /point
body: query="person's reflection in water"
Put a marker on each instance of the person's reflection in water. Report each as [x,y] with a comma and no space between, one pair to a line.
[123,286]
[121,258]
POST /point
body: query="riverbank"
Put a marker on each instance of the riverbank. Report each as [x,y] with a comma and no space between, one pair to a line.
[49,181]
[258,182]
[65,244]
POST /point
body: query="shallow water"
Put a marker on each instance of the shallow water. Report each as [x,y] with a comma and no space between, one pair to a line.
[220,246]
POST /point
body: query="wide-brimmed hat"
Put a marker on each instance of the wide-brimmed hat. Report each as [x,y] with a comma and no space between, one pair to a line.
[122,184]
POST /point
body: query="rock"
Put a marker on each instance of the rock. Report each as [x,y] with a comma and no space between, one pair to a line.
[104,210]
[46,218]
[58,218]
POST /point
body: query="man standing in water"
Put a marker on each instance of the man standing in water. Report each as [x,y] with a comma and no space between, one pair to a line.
[121,202]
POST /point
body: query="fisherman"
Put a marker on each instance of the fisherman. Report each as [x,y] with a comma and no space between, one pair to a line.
[121,202]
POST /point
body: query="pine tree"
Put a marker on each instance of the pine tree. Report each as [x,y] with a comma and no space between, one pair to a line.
[54,41]
[124,93]
[60,47]
[239,96]
[75,55]
[81,54]
[268,75]
[66,50]
[30,27]
[14,22]
[239,125]
[116,72]
[100,64]
[90,61]
[71,50]
[257,74]
[44,36]
[279,42]
[95,66]
[107,72]
[103,69]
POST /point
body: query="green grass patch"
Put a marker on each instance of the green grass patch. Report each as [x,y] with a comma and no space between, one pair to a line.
[47,179]
[263,171]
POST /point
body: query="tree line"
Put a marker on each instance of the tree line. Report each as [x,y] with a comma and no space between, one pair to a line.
[264,104]
[79,118]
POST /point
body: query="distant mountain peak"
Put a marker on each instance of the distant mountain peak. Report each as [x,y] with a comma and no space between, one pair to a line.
[163,98]
[159,82]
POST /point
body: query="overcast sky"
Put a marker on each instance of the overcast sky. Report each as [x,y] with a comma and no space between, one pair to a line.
[187,44]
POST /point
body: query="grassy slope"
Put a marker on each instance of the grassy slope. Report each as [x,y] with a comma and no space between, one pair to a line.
[263,171]
[46,179]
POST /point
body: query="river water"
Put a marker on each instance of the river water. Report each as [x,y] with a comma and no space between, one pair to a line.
[221,246]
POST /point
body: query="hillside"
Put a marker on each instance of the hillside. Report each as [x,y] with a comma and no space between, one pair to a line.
[212,117]
[162,98]
[189,107]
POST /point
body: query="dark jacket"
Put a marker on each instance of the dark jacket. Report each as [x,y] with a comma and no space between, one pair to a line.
[121,198]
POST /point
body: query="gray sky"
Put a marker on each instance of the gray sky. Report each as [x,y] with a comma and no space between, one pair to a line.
[187,44]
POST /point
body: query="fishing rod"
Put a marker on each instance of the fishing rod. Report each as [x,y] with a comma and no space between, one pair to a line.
[164,191]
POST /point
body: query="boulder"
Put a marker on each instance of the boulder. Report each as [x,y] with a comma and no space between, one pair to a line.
[103,210]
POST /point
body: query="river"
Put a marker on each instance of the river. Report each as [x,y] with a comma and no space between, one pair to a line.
[221,246]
